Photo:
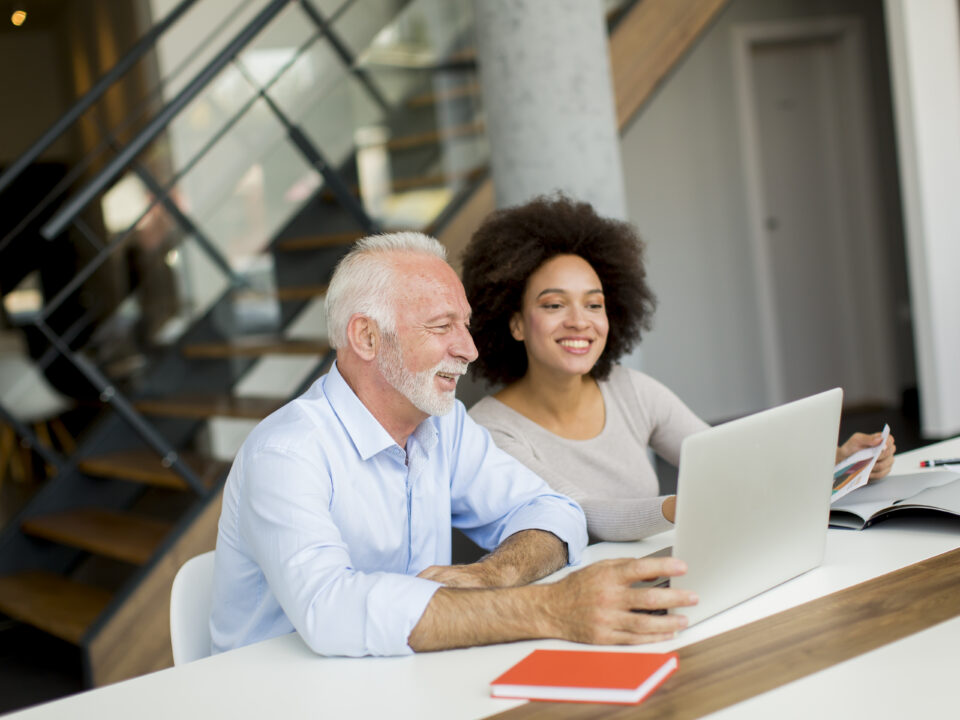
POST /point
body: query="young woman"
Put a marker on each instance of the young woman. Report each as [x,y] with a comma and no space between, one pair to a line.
[559,294]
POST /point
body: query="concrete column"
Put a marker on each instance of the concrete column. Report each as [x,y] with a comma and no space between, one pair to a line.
[924,44]
[548,101]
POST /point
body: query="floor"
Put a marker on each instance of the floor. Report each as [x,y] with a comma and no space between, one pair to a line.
[36,668]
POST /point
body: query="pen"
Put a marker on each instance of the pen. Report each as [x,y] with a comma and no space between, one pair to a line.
[931,463]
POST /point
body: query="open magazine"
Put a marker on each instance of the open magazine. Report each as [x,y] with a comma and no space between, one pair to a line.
[937,491]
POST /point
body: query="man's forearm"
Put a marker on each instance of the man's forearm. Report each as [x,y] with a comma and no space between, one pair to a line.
[463,617]
[524,557]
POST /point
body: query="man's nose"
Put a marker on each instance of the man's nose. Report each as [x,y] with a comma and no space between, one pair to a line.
[464,348]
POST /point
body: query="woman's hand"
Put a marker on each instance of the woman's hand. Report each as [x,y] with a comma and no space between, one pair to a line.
[861,441]
[669,507]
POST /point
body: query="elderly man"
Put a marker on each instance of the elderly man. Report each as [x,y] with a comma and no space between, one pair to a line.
[337,512]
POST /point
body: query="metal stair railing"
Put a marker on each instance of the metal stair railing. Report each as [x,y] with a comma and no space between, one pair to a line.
[125,157]
[59,222]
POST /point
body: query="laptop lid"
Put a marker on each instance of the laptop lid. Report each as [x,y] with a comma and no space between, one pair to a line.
[753,501]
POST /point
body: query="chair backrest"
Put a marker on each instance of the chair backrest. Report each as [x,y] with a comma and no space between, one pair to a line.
[190,600]
[25,391]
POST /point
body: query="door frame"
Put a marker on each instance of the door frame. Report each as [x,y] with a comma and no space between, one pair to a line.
[868,257]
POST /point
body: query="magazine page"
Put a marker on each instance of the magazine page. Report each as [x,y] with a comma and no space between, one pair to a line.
[942,497]
[886,492]
[854,472]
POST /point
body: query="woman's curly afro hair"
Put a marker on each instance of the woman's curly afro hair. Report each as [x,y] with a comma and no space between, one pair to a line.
[509,247]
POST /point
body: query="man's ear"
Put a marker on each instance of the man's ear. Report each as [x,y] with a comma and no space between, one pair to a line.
[516,326]
[363,336]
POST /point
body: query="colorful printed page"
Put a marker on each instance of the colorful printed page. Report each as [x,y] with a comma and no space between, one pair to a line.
[854,472]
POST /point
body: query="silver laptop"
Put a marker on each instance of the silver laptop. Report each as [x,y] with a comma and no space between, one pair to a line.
[753,501]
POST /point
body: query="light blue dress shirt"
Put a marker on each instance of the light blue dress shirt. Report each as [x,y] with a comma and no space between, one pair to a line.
[326,521]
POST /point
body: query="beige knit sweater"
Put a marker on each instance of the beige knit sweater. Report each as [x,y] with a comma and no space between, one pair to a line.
[610,475]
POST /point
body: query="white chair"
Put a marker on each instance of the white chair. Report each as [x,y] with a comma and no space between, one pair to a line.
[190,600]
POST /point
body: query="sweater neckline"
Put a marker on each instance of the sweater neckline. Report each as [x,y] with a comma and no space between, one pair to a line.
[603,431]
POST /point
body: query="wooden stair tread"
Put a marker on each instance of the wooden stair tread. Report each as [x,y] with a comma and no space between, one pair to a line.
[293,292]
[312,242]
[471,89]
[465,59]
[421,181]
[414,182]
[205,406]
[118,535]
[52,603]
[432,137]
[144,466]
[256,345]
[300,292]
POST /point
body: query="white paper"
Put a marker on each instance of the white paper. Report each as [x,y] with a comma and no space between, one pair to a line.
[854,471]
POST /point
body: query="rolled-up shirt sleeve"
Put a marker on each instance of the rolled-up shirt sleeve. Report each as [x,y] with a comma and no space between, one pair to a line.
[284,519]
[493,496]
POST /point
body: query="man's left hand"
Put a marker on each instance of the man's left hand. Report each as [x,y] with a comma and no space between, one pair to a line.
[861,441]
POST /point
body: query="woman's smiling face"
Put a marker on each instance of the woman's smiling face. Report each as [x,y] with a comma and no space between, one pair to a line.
[563,319]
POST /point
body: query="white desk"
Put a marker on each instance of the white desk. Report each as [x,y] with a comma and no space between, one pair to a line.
[282,678]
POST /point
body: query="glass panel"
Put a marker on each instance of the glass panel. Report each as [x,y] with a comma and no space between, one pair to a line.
[309,78]
[196,38]
[276,45]
[425,33]
[331,119]
[273,181]
[198,123]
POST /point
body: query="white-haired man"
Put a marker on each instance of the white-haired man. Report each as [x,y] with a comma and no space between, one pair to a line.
[337,512]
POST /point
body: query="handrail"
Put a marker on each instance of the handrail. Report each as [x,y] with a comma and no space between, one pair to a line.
[92,95]
[74,205]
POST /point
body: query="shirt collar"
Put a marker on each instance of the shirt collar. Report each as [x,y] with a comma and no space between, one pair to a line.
[368,435]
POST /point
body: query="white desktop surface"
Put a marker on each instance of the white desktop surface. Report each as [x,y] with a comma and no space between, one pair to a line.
[283,678]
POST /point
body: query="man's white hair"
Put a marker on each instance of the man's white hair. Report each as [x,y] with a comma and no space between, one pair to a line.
[362,282]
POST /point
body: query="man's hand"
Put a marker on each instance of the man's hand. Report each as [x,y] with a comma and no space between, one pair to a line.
[593,605]
[598,605]
[861,441]
[520,559]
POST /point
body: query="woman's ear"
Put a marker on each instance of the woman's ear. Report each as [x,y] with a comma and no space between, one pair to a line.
[363,336]
[516,327]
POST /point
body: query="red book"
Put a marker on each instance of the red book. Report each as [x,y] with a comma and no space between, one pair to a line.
[585,676]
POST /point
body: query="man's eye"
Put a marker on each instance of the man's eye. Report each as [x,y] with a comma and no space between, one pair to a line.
[442,328]
[551,306]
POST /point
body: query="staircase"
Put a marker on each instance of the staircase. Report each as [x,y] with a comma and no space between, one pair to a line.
[249,219]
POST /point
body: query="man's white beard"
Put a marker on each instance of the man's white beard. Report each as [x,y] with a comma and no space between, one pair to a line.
[417,387]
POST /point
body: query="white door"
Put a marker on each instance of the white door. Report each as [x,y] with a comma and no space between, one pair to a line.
[817,207]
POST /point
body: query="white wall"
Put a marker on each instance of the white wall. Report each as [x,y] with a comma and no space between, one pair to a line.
[685,193]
